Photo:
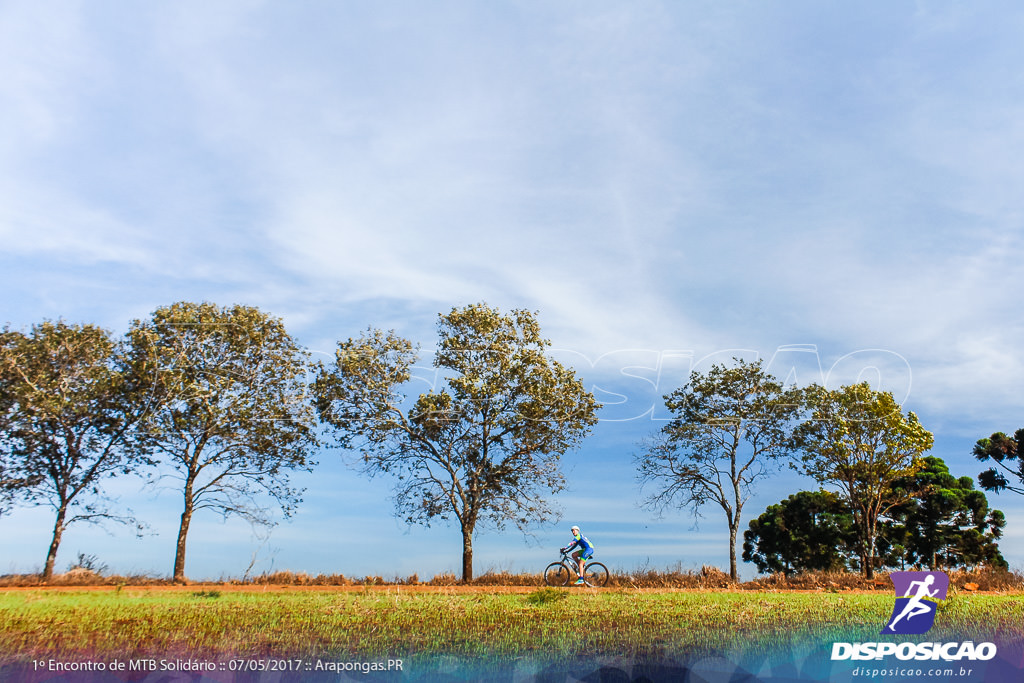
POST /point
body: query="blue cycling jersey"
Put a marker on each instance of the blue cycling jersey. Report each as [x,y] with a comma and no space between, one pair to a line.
[583,543]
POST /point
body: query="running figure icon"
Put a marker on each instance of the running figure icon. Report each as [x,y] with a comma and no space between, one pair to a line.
[917,594]
[915,606]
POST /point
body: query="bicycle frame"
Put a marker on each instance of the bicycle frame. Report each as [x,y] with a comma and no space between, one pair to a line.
[571,567]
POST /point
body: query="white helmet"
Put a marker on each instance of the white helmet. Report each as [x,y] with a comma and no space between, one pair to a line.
[575,529]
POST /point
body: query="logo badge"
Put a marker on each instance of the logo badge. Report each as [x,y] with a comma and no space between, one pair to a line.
[917,596]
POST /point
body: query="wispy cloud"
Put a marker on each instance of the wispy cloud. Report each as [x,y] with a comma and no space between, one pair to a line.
[656,180]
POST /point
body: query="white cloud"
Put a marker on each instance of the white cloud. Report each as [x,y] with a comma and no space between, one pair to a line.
[652,178]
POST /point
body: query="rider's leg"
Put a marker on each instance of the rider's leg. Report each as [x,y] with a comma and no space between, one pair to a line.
[578,556]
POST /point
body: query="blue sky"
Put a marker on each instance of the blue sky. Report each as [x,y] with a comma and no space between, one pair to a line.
[667,184]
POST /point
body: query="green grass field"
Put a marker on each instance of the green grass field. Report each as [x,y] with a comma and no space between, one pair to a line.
[392,622]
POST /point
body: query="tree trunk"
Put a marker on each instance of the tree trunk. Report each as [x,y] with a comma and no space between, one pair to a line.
[58,531]
[732,551]
[869,554]
[866,541]
[467,555]
[179,554]
[871,534]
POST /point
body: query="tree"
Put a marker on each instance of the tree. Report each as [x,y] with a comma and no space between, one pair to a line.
[946,522]
[11,486]
[485,447]
[7,487]
[67,406]
[728,426]
[1001,450]
[232,418]
[809,531]
[858,440]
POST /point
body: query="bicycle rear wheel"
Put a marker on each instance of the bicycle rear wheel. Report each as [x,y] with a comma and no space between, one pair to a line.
[557,574]
[596,574]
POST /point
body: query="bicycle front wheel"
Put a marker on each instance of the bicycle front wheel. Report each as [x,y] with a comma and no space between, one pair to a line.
[557,574]
[596,574]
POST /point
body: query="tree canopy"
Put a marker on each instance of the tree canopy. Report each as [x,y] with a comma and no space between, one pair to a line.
[485,445]
[231,417]
[809,531]
[859,440]
[1003,452]
[729,425]
[945,521]
[67,406]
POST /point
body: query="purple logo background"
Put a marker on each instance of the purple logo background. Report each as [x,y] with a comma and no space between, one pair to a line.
[916,593]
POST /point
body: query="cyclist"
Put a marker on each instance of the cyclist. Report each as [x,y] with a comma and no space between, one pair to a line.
[586,550]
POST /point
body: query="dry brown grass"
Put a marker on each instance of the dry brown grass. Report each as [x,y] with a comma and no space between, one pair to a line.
[988,580]
[287,578]
[829,581]
[81,577]
[706,578]
[979,579]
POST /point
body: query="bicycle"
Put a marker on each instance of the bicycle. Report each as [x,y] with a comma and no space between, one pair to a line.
[565,570]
